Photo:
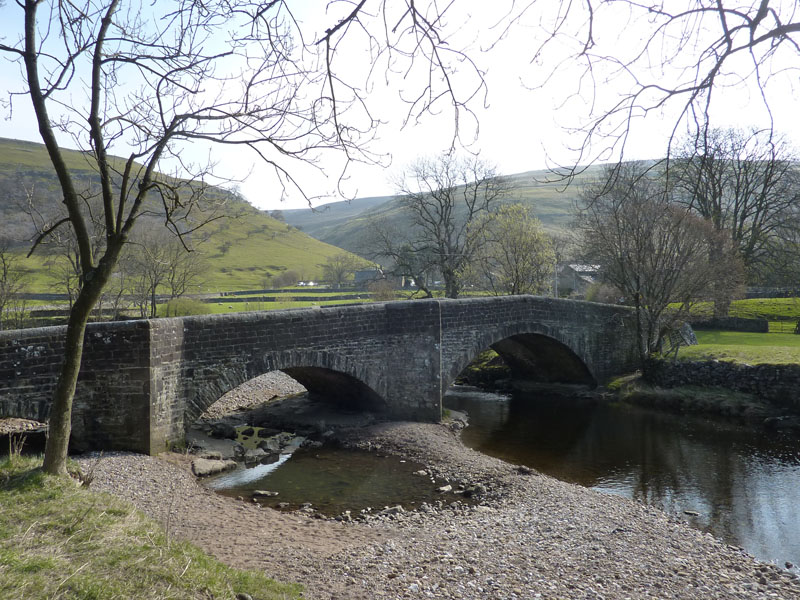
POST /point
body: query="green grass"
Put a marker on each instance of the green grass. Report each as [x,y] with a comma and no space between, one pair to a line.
[750,348]
[60,540]
[18,153]
[772,309]
[299,293]
[224,307]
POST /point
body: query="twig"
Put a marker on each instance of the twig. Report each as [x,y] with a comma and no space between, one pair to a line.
[186,568]
[79,569]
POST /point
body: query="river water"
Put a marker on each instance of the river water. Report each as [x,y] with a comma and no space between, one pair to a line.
[334,480]
[741,485]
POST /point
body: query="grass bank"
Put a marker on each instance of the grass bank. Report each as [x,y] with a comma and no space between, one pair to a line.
[224,307]
[742,347]
[61,540]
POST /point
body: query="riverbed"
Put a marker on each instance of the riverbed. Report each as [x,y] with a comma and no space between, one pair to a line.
[531,537]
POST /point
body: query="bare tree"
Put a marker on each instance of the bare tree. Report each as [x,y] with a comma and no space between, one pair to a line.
[515,256]
[747,185]
[563,248]
[652,249]
[148,80]
[156,263]
[673,60]
[386,241]
[12,284]
[184,269]
[339,267]
[444,198]
[286,279]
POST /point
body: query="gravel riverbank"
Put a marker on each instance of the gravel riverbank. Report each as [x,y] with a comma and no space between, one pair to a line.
[530,537]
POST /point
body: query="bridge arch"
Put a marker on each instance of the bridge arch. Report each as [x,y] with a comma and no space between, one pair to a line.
[326,375]
[534,353]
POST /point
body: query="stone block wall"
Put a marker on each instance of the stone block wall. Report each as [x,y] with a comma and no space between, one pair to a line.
[112,400]
[778,384]
[733,324]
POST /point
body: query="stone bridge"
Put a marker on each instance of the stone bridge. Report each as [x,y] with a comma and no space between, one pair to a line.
[142,382]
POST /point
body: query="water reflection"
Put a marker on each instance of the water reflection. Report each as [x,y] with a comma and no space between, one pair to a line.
[745,485]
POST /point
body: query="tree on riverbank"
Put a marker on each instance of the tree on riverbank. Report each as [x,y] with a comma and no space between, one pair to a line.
[154,81]
[656,252]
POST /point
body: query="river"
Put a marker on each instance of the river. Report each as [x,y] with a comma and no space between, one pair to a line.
[741,485]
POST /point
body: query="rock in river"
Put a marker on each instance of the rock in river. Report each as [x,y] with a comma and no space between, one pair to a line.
[203,467]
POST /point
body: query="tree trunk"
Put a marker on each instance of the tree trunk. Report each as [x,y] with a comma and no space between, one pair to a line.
[722,305]
[642,342]
[451,284]
[60,422]
[153,303]
[720,288]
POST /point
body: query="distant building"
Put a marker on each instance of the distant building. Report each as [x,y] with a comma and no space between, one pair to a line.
[575,278]
[364,277]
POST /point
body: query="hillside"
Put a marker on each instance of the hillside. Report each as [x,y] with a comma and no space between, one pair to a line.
[325,219]
[346,224]
[240,250]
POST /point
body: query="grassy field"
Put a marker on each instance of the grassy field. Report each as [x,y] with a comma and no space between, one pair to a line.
[782,313]
[61,540]
[750,348]
[224,307]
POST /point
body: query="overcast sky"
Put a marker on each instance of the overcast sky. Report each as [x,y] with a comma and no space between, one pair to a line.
[520,128]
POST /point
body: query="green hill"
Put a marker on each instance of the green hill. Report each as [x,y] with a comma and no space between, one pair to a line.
[346,224]
[323,220]
[240,250]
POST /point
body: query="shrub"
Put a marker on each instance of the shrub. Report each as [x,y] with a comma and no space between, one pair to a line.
[285,279]
[182,307]
[382,290]
[604,293]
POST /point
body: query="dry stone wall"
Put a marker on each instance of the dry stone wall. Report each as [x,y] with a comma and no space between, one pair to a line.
[778,384]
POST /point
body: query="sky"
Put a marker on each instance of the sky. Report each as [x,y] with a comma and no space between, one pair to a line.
[521,126]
